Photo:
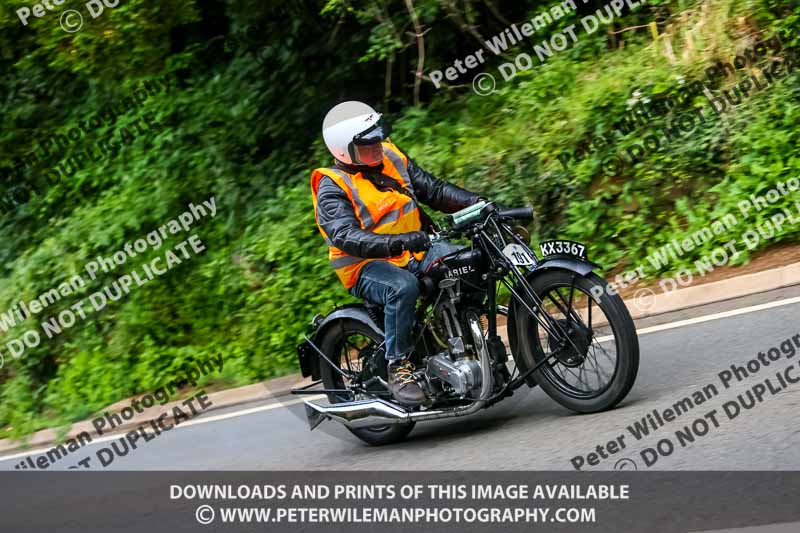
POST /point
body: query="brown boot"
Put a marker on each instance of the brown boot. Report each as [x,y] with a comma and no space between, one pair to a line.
[402,384]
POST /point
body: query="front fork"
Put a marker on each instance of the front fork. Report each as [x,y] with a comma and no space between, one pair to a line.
[497,349]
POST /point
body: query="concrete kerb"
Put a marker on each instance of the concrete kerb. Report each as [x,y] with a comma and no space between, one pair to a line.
[717,291]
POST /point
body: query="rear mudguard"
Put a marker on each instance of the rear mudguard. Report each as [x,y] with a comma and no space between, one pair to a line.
[309,358]
[560,262]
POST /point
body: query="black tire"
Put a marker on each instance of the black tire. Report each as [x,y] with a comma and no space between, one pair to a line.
[624,332]
[331,343]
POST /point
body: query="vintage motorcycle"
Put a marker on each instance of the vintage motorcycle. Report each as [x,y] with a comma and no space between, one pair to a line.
[567,331]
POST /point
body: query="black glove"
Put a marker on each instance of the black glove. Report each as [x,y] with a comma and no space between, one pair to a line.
[414,241]
[498,207]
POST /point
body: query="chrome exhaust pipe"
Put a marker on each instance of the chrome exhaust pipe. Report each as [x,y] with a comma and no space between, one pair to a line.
[358,414]
[377,412]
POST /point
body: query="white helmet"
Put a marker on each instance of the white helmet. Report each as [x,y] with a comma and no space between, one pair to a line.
[348,127]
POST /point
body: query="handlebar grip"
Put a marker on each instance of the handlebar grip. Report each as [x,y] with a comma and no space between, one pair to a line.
[519,213]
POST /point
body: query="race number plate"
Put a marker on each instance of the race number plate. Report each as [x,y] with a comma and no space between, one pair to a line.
[519,255]
[556,247]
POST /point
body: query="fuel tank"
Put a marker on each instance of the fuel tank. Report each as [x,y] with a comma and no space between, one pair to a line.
[467,265]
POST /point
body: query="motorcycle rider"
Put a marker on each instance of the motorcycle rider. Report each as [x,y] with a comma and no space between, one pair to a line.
[368,210]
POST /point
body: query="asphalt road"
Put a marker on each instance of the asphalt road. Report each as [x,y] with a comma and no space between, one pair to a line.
[530,431]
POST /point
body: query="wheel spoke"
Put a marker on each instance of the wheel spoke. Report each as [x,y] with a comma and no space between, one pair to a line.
[599,345]
[591,377]
[568,312]
[596,374]
[596,370]
[569,304]
[598,366]
[347,348]
[593,370]
[613,361]
[557,304]
[573,373]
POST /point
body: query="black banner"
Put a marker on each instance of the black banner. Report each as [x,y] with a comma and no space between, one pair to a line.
[174,502]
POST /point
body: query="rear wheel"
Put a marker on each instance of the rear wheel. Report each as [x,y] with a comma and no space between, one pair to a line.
[590,343]
[353,346]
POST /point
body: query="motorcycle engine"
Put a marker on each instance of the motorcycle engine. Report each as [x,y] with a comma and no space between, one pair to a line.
[458,367]
[464,375]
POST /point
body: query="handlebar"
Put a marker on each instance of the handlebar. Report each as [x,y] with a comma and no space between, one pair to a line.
[461,219]
[519,213]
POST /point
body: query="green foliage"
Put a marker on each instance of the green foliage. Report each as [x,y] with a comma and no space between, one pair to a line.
[242,123]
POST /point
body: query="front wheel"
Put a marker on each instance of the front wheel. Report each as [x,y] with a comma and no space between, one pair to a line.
[586,336]
[353,345]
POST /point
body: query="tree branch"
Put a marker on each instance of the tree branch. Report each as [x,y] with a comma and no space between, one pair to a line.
[420,50]
[494,11]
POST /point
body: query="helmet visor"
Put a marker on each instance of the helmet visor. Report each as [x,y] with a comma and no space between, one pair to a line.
[374,134]
[369,154]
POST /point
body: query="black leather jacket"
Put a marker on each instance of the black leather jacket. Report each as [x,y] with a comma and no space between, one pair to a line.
[336,216]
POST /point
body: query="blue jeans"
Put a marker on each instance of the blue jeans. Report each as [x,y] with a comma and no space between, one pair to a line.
[397,290]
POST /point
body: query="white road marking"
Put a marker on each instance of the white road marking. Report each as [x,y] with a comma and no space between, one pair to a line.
[708,318]
[269,407]
[718,316]
[205,420]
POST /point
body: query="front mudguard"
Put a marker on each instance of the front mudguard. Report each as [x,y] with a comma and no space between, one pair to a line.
[569,263]
[308,357]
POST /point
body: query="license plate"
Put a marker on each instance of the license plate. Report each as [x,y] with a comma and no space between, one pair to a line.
[519,255]
[557,247]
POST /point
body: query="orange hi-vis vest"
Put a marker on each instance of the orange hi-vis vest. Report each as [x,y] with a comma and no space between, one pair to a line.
[384,212]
